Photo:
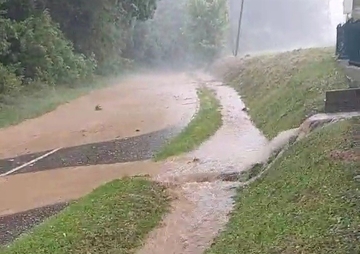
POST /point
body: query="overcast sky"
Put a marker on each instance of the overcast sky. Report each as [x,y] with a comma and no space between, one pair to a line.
[286,24]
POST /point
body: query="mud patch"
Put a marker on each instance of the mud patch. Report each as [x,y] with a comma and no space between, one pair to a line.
[12,226]
[347,156]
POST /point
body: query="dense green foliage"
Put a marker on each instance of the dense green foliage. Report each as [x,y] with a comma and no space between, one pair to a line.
[35,50]
[61,42]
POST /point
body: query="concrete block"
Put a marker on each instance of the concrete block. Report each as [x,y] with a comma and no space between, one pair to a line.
[345,100]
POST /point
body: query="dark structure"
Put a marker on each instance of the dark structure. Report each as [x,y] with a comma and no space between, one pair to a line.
[348,54]
[348,42]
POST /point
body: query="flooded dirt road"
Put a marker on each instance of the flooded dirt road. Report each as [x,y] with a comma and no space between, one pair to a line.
[137,116]
[203,199]
[29,191]
[203,202]
[137,105]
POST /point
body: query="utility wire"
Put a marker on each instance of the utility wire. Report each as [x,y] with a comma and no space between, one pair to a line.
[236,50]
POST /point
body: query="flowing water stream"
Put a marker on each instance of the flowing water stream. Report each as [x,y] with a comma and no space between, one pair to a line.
[202,201]
[203,204]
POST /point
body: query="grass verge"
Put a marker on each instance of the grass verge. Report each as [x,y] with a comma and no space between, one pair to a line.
[308,201]
[114,218]
[40,100]
[205,123]
[284,89]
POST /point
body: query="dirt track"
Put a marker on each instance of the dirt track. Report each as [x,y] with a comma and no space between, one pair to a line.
[140,113]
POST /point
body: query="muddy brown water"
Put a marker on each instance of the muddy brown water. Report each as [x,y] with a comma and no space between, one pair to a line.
[206,202]
[22,192]
[132,110]
[197,218]
[147,103]
[202,207]
[137,105]
[203,202]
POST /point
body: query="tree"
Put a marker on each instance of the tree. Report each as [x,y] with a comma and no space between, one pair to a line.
[93,26]
[207,27]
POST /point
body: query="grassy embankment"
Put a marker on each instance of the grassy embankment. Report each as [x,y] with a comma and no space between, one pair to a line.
[308,202]
[205,123]
[115,218]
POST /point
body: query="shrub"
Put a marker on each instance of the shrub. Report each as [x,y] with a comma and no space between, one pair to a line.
[45,55]
[9,82]
[206,27]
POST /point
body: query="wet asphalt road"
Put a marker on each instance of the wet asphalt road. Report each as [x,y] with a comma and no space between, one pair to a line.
[12,226]
[131,149]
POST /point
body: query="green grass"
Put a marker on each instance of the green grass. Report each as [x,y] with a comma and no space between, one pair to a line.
[205,123]
[40,100]
[284,89]
[306,203]
[115,218]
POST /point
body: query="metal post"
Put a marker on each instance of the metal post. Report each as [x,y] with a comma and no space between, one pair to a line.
[239,29]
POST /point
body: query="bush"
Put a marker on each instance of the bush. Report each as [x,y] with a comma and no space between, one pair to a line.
[9,82]
[45,55]
[206,27]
